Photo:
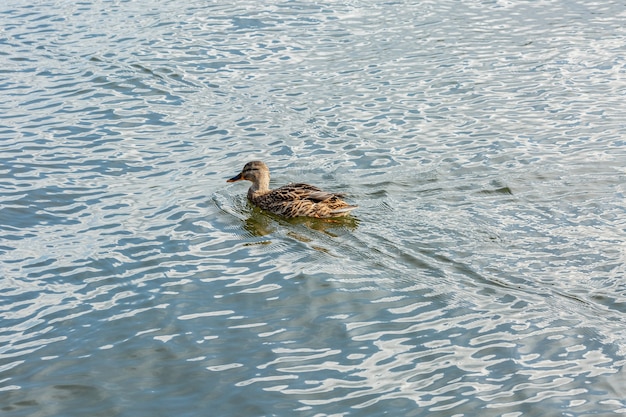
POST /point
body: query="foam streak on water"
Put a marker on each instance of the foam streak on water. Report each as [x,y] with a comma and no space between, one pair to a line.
[483,273]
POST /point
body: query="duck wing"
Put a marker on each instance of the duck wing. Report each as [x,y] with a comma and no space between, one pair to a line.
[301,191]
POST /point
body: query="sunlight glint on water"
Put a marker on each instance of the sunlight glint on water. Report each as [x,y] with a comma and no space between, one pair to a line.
[483,272]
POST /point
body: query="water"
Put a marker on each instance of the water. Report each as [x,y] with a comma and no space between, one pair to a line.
[483,273]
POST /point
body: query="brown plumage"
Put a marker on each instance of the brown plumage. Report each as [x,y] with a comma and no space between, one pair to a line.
[292,200]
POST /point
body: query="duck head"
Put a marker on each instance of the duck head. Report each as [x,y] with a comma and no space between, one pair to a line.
[256,172]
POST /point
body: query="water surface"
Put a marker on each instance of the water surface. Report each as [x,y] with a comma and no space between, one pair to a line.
[482,274]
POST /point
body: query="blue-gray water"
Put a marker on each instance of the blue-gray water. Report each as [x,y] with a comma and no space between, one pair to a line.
[483,273]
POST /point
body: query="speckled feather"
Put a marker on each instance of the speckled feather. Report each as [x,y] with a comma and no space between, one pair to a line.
[291,200]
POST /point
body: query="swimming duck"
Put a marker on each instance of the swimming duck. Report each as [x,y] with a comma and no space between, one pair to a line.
[291,200]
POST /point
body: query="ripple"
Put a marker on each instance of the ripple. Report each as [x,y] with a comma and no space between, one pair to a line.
[484,267]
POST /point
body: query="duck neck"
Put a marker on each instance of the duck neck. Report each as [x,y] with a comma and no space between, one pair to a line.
[259,187]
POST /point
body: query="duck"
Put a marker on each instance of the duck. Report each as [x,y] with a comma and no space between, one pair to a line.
[291,200]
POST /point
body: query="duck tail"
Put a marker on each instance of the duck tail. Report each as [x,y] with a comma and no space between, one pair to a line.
[343,210]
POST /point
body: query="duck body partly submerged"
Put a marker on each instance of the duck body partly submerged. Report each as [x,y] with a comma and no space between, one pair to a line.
[291,200]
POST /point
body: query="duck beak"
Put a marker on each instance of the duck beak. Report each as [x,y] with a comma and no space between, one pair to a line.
[237,177]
